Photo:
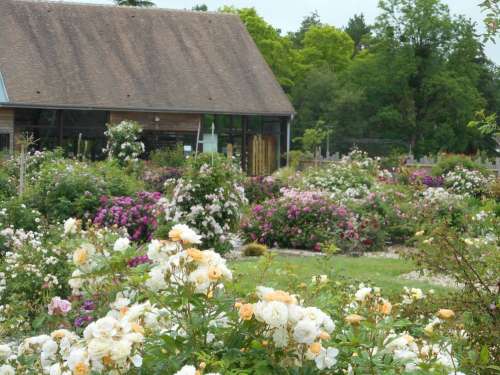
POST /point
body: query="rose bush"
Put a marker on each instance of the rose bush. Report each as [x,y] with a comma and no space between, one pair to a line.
[137,214]
[209,197]
[173,315]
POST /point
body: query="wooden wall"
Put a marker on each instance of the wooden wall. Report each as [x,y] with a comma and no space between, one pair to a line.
[7,124]
[160,121]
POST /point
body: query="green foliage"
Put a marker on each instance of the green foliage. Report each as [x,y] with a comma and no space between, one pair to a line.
[327,46]
[359,32]
[468,252]
[7,186]
[16,214]
[169,157]
[448,163]
[254,250]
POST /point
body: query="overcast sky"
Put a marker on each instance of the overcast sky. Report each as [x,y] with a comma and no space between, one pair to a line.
[287,14]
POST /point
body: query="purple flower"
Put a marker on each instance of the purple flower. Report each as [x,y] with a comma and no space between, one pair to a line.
[82,320]
[88,305]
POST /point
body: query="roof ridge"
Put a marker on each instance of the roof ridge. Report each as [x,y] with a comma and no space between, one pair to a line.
[100,5]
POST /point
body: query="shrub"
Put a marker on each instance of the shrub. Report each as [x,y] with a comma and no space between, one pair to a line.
[169,157]
[32,271]
[209,197]
[467,182]
[119,181]
[137,214]
[468,252]
[448,163]
[260,188]
[175,315]
[7,185]
[352,177]
[155,178]
[123,142]
[254,250]
[16,214]
[66,188]
[308,220]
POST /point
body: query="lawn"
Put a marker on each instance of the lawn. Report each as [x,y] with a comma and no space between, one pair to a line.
[285,272]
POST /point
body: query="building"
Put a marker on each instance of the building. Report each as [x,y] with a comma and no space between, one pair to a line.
[66,70]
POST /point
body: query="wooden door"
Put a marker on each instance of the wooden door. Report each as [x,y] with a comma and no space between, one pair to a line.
[262,155]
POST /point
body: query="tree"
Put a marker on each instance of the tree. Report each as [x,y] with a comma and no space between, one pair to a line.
[200,8]
[359,32]
[492,19]
[327,46]
[309,21]
[134,3]
[276,49]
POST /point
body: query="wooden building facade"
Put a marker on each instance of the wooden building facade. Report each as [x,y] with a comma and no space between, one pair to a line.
[190,78]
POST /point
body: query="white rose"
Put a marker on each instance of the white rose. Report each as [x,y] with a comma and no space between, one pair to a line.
[121,244]
[7,370]
[306,332]
[70,226]
[275,314]
[186,370]
[5,352]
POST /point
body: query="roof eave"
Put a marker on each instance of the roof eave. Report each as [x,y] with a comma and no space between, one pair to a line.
[142,109]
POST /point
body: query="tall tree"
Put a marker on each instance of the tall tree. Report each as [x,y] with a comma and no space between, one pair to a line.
[134,3]
[359,32]
[309,21]
[200,8]
[328,46]
[276,49]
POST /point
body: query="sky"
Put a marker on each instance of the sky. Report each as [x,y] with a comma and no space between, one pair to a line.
[288,14]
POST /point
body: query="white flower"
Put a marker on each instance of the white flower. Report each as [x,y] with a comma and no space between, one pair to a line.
[280,337]
[5,352]
[70,226]
[55,369]
[306,331]
[7,370]
[274,314]
[186,370]
[121,244]
[362,294]
[327,358]
[186,234]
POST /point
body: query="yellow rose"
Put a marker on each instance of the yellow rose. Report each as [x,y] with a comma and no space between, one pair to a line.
[315,348]
[324,335]
[81,369]
[195,254]
[429,329]
[175,235]
[80,256]
[279,296]
[445,314]
[137,328]
[385,308]
[354,319]
[237,305]
[214,273]
[246,311]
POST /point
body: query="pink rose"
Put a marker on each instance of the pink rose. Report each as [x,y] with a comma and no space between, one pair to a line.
[59,306]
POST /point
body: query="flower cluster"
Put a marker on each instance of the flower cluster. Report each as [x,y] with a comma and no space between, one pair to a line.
[420,176]
[301,330]
[123,141]
[172,265]
[136,214]
[467,182]
[260,188]
[306,220]
[208,198]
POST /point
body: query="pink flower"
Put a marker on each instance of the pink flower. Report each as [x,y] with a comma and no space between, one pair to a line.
[59,306]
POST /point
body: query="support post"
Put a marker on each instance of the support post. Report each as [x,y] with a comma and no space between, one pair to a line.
[288,133]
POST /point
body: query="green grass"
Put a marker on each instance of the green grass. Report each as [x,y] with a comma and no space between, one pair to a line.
[286,272]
